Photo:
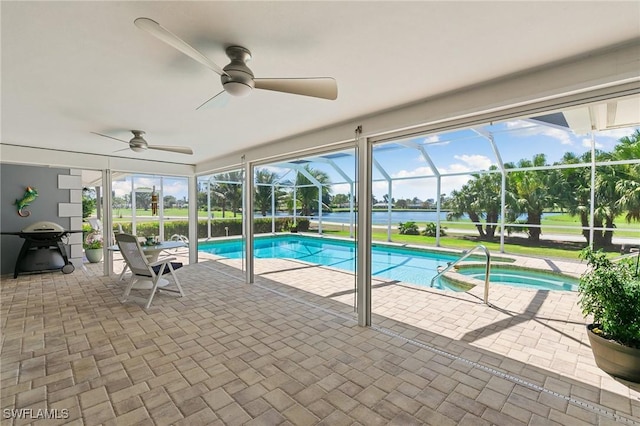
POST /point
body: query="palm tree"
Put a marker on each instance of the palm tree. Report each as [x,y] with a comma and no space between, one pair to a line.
[479,199]
[307,192]
[628,187]
[229,192]
[264,193]
[534,191]
[574,191]
[616,189]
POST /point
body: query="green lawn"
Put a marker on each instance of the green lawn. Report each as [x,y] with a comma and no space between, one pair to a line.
[120,215]
[519,246]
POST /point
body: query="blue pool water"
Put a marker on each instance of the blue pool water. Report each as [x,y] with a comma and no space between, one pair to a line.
[524,278]
[395,263]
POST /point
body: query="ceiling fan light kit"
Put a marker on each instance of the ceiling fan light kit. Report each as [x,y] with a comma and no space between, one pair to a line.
[238,80]
[137,143]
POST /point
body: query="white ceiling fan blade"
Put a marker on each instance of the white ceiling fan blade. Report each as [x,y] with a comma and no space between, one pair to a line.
[178,149]
[324,87]
[110,137]
[161,33]
[219,100]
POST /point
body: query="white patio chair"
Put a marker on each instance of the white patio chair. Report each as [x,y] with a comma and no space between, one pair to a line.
[146,275]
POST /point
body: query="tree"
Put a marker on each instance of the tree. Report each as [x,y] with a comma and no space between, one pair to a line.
[574,192]
[307,192]
[143,199]
[628,187]
[264,193]
[402,204]
[340,199]
[479,199]
[616,189]
[88,202]
[534,191]
[169,201]
[228,191]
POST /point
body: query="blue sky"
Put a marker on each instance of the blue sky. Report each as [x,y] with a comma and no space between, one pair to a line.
[466,151]
[452,152]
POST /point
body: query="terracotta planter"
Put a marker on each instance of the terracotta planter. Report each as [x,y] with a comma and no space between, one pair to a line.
[613,358]
[93,255]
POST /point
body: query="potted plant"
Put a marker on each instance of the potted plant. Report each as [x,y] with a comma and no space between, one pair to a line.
[611,294]
[93,247]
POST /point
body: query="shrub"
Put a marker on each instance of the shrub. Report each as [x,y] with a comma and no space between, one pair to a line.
[219,227]
[430,230]
[408,228]
[611,293]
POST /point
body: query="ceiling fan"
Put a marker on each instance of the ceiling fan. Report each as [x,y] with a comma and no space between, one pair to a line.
[237,79]
[139,144]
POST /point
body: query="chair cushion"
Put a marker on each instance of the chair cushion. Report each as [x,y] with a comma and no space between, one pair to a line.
[176,265]
[156,269]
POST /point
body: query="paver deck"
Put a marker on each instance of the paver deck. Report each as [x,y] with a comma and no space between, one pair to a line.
[287,350]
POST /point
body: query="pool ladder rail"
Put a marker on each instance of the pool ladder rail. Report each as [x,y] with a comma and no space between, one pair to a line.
[487,268]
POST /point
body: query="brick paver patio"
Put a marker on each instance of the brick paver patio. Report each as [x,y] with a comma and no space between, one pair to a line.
[287,350]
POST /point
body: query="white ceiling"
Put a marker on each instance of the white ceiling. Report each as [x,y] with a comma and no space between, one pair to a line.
[71,68]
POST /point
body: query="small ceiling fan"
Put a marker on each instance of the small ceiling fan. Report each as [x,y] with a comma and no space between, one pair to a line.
[237,79]
[138,144]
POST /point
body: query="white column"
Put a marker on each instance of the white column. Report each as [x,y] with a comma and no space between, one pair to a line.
[319,209]
[247,219]
[107,223]
[208,209]
[389,209]
[273,209]
[351,196]
[295,197]
[133,206]
[161,210]
[363,269]
[438,207]
[192,212]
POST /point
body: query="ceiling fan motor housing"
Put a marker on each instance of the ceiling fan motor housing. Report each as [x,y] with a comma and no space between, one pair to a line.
[137,143]
[239,79]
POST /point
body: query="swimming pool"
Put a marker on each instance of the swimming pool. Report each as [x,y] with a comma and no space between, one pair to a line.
[521,277]
[403,264]
[400,264]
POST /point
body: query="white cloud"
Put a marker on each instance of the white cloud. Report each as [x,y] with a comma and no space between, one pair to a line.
[432,139]
[171,186]
[525,129]
[475,161]
[587,144]
[418,171]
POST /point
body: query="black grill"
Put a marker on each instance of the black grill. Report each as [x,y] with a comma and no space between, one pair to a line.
[43,249]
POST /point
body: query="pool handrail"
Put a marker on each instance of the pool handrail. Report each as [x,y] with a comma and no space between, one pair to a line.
[487,269]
